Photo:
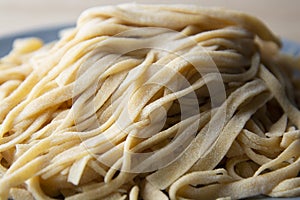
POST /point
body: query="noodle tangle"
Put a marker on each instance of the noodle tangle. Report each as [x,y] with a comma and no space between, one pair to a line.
[150,102]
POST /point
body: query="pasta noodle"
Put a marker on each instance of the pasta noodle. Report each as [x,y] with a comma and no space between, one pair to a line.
[150,102]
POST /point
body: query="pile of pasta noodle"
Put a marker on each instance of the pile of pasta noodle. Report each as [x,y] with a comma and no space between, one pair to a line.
[150,102]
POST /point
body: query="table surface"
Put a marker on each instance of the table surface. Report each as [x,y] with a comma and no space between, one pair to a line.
[282,17]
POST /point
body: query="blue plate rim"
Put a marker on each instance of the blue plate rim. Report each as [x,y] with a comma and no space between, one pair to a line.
[50,33]
[47,34]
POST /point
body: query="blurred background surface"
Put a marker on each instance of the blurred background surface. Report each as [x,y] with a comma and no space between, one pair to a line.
[23,15]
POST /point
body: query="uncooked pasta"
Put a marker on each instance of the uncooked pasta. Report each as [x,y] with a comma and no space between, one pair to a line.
[151,102]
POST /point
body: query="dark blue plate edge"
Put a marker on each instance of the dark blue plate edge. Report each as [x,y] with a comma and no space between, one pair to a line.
[290,47]
[47,34]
